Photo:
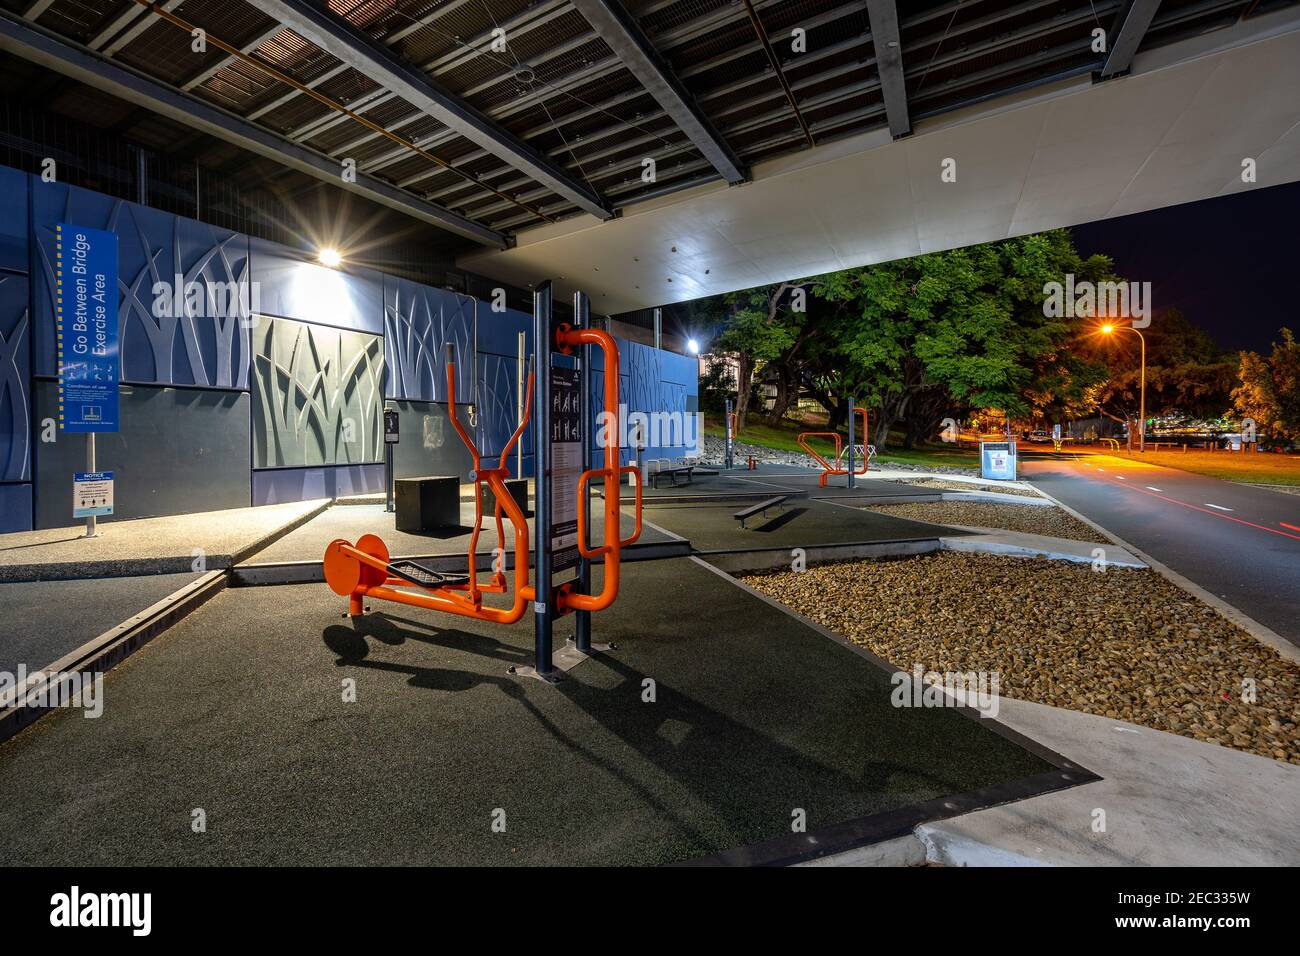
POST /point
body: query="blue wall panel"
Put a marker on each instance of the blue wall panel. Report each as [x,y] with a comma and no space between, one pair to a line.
[498,413]
[498,332]
[291,287]
[301,484]
[652,380]
[159,346]
[419,322]
[13,220]
[15,508]
[15,379]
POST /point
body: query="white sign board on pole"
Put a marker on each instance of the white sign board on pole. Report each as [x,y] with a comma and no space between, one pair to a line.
[998,460]
[92,493]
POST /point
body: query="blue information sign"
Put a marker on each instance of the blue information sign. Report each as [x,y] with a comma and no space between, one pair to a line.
[86,297]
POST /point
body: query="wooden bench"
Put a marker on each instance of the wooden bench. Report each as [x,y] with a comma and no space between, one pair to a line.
[761,508]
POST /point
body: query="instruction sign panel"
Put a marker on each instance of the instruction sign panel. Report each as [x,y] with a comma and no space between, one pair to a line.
[998,460]
[392,435]
[92,494]
[566,467]
[85,281]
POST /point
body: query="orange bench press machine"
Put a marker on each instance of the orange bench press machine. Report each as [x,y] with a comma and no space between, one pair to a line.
[558,404]
[834,466]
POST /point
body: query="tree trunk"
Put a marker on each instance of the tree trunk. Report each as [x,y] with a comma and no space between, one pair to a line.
[785,395]
[744,381]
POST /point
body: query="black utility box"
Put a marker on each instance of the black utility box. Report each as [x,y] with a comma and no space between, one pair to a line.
[425,504]
[518,488]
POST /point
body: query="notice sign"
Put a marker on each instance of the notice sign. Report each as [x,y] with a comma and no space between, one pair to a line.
[85,294]
[92,494]
[391,434]
[566,467]
[998,460]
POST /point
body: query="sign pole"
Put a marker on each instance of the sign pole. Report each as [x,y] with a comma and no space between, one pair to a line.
[85,281]
[91,530]
[520,379]
[543,619]
[392,435]
[582,320]
[851,483]
[727,454]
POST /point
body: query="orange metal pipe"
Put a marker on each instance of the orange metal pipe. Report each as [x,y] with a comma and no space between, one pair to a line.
[572,600]
[445,599]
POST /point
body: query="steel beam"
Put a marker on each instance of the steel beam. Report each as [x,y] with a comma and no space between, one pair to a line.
[624,36]
[347,44]
[137,28]
[39,46]
[1132,27]
[883,15]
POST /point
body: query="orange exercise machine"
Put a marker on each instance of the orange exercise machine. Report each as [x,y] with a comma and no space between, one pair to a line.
[557,401]
[837,465]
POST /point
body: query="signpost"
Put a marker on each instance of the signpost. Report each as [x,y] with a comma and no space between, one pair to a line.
[86,302]
[391,437]
[728,458]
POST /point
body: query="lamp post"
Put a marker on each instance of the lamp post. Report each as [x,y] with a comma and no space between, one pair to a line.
[1142,392]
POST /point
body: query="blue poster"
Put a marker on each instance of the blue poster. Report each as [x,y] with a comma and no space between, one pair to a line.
[86,297]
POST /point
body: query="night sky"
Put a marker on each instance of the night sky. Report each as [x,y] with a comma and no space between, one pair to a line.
[1230,264]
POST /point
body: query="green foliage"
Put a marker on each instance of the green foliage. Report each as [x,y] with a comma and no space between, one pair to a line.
[966,327]
[1268,389]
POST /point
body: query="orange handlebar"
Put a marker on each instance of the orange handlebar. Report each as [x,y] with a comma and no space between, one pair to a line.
[583,533]
[612,472]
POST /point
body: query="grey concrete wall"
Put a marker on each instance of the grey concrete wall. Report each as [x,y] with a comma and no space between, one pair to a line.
[179,451]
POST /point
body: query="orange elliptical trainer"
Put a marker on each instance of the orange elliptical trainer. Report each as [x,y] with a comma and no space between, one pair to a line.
[834,466]
[365,570]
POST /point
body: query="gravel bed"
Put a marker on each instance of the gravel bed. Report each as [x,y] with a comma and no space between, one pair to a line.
[713,451]
[1027,519]
[1124,643]
[967,486]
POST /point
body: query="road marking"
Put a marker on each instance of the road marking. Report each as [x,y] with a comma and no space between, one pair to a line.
[1121,478]
[1291,526]
[1153,488]
[1217,507]
[1250,524]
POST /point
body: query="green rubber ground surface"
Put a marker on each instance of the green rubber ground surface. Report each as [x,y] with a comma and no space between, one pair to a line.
[238,711]
[43,620]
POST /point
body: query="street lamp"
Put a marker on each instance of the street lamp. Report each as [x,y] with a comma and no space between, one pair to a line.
[1109,329]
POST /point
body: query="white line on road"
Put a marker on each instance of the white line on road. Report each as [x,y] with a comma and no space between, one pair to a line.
[1217,507]
[1152,488]
[1121,478]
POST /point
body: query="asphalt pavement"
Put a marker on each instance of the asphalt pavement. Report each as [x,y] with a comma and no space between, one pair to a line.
[1237,541]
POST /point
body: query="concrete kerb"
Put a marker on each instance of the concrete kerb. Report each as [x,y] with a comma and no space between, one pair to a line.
[1248,624]
[108,649]
[155,564]
[1017,544]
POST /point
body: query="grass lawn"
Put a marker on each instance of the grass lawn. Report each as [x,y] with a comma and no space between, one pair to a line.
[1252,468]
[785,438]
